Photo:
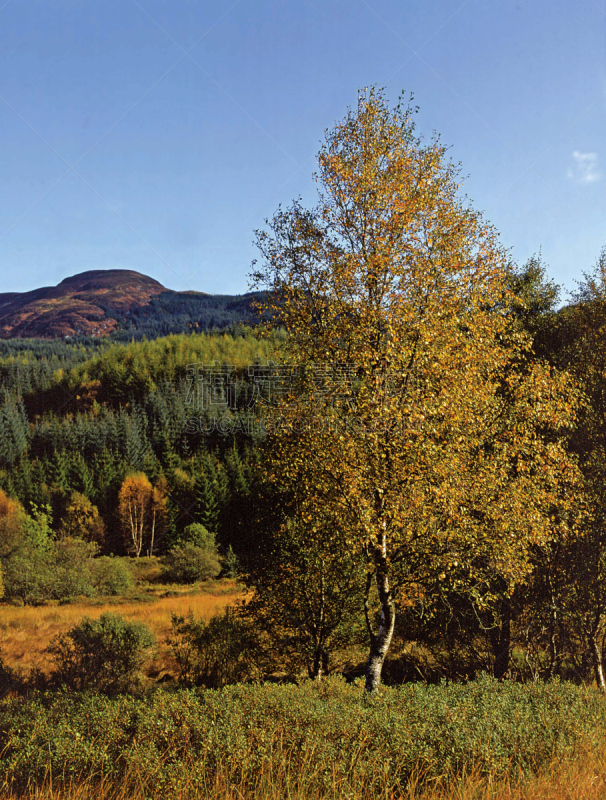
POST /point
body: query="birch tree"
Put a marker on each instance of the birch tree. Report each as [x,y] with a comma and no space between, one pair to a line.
[414,412]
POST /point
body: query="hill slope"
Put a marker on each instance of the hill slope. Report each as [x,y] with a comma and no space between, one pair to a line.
[100,302]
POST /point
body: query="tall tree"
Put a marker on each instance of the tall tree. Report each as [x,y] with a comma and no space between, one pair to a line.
[410,416]
[583,352]
[135,504]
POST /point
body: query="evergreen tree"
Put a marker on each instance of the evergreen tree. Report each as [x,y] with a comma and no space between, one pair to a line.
[206,490]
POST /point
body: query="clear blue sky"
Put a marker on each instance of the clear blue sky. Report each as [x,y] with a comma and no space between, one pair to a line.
[156,135]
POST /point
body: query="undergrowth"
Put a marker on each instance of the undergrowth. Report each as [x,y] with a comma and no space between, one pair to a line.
[323,740]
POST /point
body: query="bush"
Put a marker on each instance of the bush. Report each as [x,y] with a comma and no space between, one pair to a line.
[199,536]
[189,564]
[62,570]
[29,574]
[71,563]
[317,740]
[10,680]
[111,576]
[213,654]
[105,654]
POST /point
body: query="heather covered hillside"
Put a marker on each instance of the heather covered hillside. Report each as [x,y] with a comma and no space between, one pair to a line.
[102,302]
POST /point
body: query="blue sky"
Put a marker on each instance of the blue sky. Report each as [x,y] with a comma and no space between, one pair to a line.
[157,135]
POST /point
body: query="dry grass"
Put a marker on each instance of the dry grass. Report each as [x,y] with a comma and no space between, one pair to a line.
[584,779]
[25,632]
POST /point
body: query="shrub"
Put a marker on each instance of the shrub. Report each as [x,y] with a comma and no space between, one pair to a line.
[72,568]
[10,680]
[213,654]
[316,740]
[62,570]
[189,563]
[105,654]
[28,574]
[199,536]
[111,576]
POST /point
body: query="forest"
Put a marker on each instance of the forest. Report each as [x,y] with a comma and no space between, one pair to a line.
[402,465]
[81,421]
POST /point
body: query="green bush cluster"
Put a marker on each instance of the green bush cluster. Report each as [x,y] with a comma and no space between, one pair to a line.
[111,576]
[61,571]
[318,739]
[194,557]
[189,564]
[214,653]
[105,655]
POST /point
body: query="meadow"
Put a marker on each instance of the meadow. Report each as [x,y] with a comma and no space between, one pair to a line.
[27,631]
[309,741]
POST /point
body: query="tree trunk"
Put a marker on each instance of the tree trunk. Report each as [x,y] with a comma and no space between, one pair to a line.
[501,640]
[553,625]
[595,644]
[319,665]
[380,641]
[153,531]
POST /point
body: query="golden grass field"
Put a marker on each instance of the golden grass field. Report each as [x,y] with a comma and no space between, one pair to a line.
[26,631]
[584,779]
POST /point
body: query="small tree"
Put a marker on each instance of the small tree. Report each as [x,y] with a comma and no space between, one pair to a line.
[158,513]
[12,524]
[28,555]
[82,520]
[308,589]
[583,352]
[143,512]
[214,653]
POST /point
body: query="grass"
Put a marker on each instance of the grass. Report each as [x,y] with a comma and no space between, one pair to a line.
[481,741]
[584,779]
[26,631]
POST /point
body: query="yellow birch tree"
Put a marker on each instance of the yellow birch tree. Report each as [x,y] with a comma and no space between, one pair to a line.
[135,502]
[415,412]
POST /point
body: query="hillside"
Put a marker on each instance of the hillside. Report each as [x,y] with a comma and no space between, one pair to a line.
[103,302]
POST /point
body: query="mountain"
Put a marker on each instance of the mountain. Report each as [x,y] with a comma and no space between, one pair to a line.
[115,301]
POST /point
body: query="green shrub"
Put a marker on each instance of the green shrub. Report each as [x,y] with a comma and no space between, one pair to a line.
[198,535]
[189,564]
[105,655]
[111,576]
[72,559]
[215,653]
[315,740]
[29,574]
[56,571]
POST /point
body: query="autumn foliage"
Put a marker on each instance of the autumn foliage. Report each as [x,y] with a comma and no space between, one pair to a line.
[142,509]
[417,420]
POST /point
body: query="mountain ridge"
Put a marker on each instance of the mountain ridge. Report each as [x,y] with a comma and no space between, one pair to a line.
[105,302]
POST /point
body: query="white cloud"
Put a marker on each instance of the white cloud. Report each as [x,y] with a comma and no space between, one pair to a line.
[585,167]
